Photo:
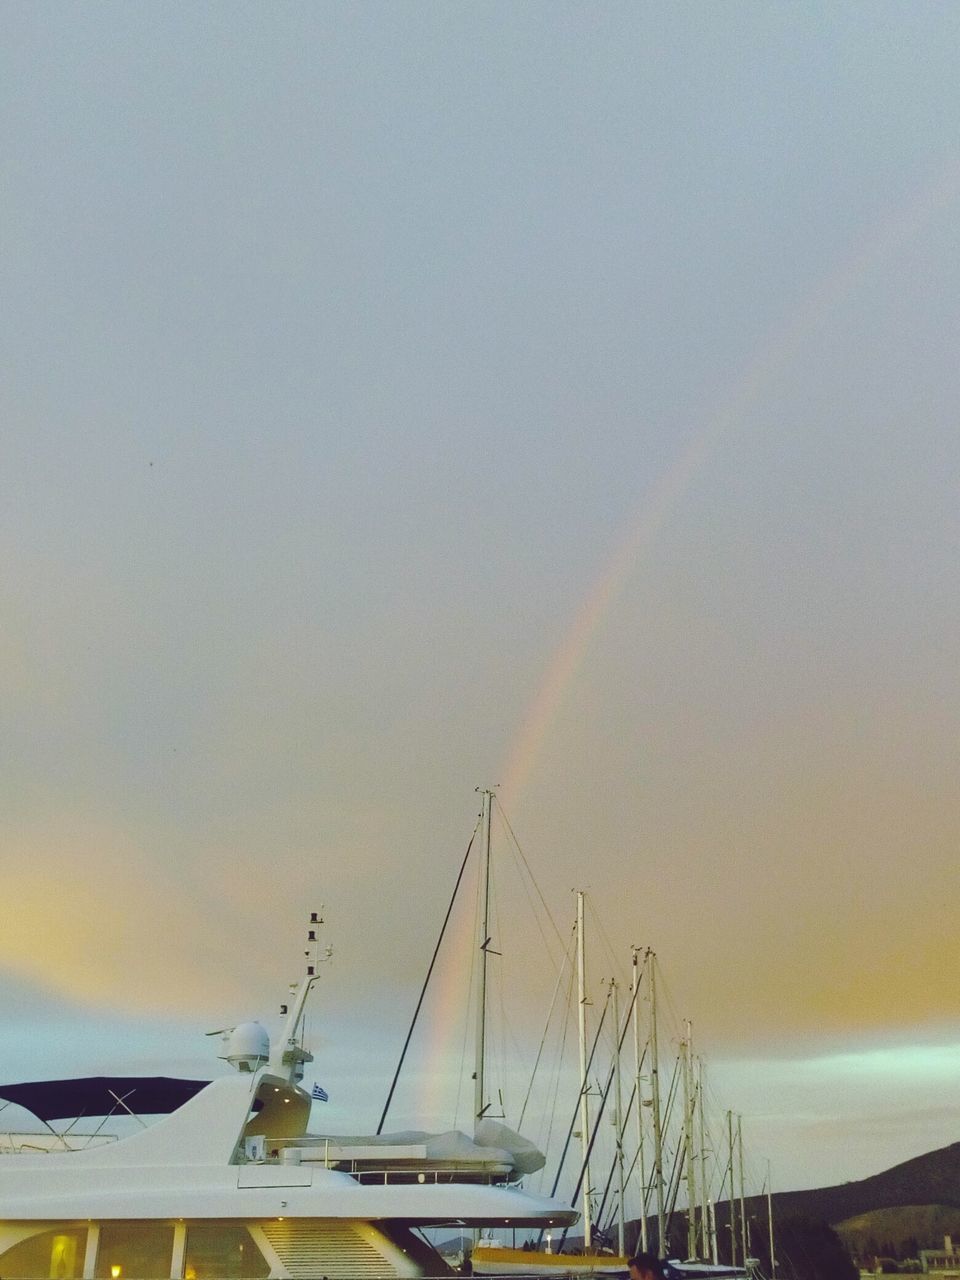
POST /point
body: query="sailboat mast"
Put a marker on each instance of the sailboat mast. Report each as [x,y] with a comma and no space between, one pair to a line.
[479,1105]
[685,1051]
[635,990]
[732,1221]
[705,1226]
[584,1108]
[773,1260]
[655,1098]
[744,1240]
[618,1122]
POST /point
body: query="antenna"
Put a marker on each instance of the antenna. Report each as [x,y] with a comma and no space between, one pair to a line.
[289,1057]
[315,954]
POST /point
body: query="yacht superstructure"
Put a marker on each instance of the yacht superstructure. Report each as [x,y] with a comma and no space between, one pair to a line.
[229,1186]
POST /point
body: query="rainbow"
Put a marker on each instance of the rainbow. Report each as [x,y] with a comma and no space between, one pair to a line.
[888,236]
[636,540]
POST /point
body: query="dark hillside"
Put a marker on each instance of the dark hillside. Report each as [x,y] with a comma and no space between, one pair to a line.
[930,1179]
[898,1233]
[924,1192]
[909,1207]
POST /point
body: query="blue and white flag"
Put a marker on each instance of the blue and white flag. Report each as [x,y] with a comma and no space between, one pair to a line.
[320,1094]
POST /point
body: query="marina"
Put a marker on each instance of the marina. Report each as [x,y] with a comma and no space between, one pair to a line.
[229,1182]
[479,507]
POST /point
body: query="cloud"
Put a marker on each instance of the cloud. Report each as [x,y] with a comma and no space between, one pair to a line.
[100,923]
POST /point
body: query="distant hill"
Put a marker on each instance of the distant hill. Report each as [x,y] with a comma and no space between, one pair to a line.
[895,1213]
[901,1232]
[915,1203]
[932,1179]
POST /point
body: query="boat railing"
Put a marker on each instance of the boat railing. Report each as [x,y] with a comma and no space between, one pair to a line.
[387,1167]
[15,1143]
[432,1177]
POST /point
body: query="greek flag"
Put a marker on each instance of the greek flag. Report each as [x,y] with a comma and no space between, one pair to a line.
[320,1094]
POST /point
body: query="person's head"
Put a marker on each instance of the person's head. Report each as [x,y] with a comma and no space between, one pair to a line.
[645,1266]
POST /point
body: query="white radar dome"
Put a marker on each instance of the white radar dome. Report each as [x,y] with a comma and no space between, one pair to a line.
[247,1046]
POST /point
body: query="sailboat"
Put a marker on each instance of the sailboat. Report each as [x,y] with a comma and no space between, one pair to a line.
[495,1154]
[701,1261]
[490,1257]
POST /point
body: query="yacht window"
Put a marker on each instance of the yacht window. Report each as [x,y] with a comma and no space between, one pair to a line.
[132,1250]
[51,1255]
[222,1251]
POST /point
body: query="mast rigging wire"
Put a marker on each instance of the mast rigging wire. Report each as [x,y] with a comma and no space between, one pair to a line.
[543,1038]
[426,981]
[533,881]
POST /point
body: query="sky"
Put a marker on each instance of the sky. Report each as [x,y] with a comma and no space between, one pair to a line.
[400,399]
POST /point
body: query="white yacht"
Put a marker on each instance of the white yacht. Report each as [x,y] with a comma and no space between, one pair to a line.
[228,1185]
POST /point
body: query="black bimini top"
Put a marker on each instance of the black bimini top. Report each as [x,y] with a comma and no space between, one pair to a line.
[102,1096]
